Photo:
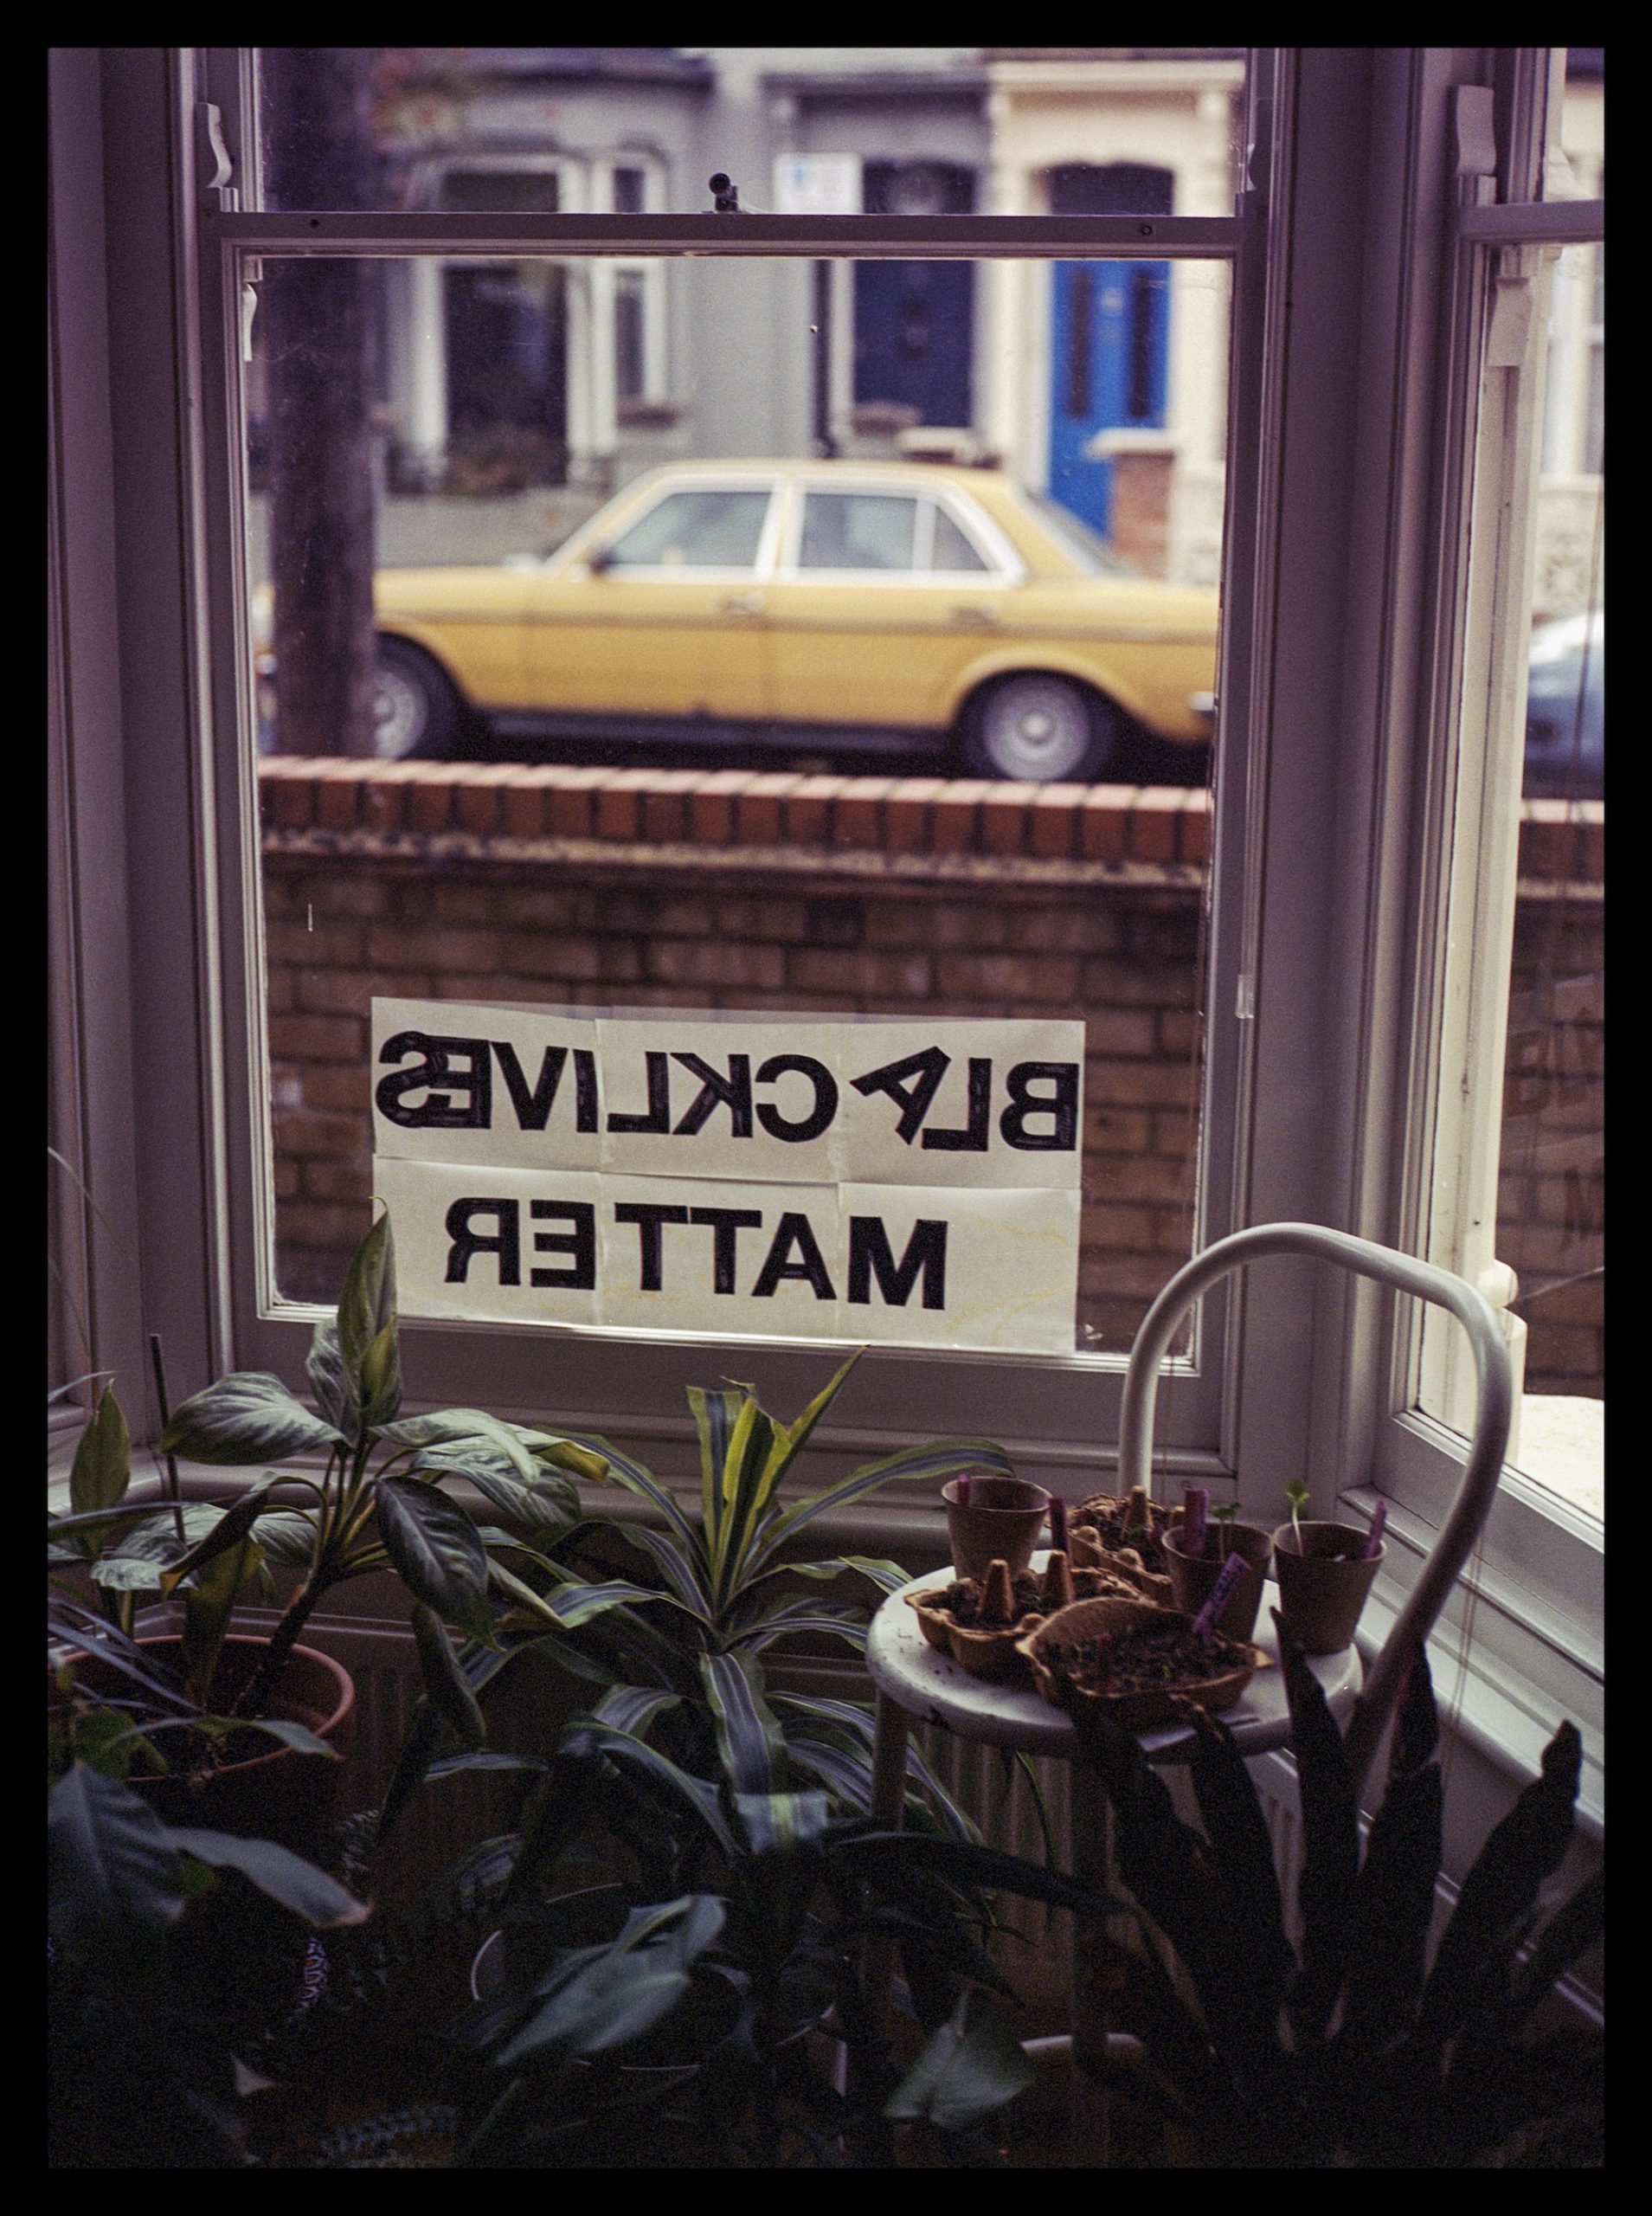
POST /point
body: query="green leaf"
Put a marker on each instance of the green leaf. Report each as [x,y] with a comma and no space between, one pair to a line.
[449,1427]
[582,1742]
[634,1708]
[208,1605]
[931,1465]
[435,1547]
[543,1504]
[231,1527]
[108,1858]
[298,1736]
[324,1367]
[791,1438]
[576,1603]
[288,1536]
[969,2067]
[102,1467]
[604,1998]
[445,1681]
[104,1739]
[366,1315]
[681,1572]
[749,1739]
[247,1417]
[570,1454]
[287,1877]
[774,1821]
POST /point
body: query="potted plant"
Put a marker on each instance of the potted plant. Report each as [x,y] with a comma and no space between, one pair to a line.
[1197,1549]
[1325,1572]
[980,1622]
[1362,2043]
[177,1710]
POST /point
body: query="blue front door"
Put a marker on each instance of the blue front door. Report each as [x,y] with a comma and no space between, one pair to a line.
[1109,330]
[914,320]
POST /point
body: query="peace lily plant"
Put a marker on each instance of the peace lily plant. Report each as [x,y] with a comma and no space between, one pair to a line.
[377,1504]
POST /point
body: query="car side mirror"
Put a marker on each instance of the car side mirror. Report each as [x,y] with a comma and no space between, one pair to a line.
[599,560]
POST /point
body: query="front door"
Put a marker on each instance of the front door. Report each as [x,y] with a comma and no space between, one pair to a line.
[914,320]
[1108,337]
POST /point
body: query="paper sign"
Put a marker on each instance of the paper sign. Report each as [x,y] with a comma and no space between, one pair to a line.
[896,1182]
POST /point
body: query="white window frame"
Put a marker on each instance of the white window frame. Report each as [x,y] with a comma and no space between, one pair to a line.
[1332,774]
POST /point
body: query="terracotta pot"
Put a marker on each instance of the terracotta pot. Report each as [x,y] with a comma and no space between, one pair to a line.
[999,1522]
[1192,1580]
[1324,1580]
[278,1792]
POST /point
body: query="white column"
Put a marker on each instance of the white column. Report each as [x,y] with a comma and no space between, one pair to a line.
[423,400]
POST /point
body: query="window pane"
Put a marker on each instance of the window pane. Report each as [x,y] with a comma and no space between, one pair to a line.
[857,530]
[840,785]
[695,531]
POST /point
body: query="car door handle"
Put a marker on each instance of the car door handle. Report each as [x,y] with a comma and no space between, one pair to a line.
[974,619]
[743,603]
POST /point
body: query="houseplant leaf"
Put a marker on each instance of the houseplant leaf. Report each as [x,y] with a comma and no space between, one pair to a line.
[968,2068]
[108,1858]
[248,1416]
[321,1902]
[102,1466]
[436,1549]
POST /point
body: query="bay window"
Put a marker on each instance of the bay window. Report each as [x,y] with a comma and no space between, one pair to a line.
[1381,378]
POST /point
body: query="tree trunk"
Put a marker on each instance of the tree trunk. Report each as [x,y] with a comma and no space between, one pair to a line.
[320,333]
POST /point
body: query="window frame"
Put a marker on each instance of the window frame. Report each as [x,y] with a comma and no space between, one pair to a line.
[1338,571]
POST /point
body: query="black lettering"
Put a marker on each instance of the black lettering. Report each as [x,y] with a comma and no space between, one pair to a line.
[871,1256]
[505,1241]
[732,1093]
[533,1108]
[657,1114]
[584,1090]
[925,1070]
[794,1231]
[649,1216]
[726,1224]
[579,1244]
[972,1139]
[825,1098]
[435,1069]
[1060,1105]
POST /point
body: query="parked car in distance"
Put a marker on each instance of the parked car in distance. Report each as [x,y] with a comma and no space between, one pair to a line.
[885,606]
[1565,709]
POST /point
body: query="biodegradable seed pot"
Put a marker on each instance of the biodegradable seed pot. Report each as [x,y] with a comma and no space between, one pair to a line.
[1324,1576]
[1192,1579]
[1127,1536]
[993,1519]
[1136,1662]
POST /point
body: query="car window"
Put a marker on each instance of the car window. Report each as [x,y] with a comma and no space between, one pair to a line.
[859,531]
[951,550]
[710,529]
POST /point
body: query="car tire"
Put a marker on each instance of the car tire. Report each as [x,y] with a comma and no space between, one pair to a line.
[1040,729]
[416,713]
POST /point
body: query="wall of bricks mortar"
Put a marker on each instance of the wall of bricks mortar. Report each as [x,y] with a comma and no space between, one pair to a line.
[729,889]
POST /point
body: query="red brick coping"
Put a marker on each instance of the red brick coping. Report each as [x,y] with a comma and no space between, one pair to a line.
[737,813]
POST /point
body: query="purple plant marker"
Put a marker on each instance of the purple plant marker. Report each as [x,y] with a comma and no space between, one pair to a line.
[1374,1542]
[1204,1621]
[1058,1527]
[1195,1507]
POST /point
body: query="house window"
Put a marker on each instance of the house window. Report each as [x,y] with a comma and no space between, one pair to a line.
[1353,631]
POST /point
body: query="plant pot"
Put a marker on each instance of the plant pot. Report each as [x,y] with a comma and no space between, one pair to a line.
[1193,1580]
[999,1522]
[1093,1541]
[1324,1575]
[271,1791]
[1138,1710]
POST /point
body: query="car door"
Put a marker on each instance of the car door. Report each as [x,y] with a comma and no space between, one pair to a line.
[882,599]
[665,620]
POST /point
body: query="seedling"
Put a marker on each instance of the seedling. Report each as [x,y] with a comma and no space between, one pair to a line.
[1296,1495]
[1223,1518]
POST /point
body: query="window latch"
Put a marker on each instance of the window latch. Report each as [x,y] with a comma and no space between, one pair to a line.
[213,155]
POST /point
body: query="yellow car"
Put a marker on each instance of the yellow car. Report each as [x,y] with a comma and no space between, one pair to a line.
[888,607]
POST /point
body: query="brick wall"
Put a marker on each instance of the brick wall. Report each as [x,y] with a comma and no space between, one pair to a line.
[734,890]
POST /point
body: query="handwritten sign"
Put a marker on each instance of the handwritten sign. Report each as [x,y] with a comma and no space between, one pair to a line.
[899,1182]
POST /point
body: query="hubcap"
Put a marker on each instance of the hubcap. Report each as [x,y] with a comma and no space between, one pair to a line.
[398,715]
[1037,729]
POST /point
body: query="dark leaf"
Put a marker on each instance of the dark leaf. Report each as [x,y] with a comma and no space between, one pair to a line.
[102,1468]
[457,1426]
[288,1536]
[276,1871]
[1416,1728]
[1496,1900]
[634,1708]
[247,1417]
[367,1325]
[539,1503]
[748,1738]
[1242,1845]
[1330,1841]
[209,1603]
[108,1858]
[931,1465]
[231,1526]
[435,1547]
[445,1681]
[1393,1909]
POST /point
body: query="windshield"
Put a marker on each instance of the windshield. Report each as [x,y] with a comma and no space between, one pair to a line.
[1093,555]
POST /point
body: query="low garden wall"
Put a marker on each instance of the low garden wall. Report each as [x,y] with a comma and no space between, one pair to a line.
[736,890]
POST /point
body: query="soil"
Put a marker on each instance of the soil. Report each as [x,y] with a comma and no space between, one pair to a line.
[961,1599]
[1145,1657]
[1110,1532]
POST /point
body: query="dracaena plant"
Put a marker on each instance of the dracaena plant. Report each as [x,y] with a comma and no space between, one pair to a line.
[378,1502]
[681,1656]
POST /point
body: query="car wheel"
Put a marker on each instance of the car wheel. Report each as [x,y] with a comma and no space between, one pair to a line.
[1041,729]
[415,710]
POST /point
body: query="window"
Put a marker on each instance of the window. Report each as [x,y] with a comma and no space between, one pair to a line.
[695,531]
[857,531]
[1347,644]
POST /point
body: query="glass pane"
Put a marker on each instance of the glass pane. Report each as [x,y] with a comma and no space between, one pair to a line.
[790,709]
[859,531]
